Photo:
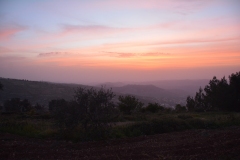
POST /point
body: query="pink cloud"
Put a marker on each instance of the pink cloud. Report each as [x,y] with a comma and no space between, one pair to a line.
[120,55]
[89,31]
[52,54]
[156,54]
[4,50]
[8,32]
[129,55]
[158,43]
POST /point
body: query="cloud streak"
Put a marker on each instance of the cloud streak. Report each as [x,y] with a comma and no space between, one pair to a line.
[53,54]
[7,32]
[130,55]
[175,42]
[90,30]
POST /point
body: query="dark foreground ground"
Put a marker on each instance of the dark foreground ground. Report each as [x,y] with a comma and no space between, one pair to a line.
[193,144]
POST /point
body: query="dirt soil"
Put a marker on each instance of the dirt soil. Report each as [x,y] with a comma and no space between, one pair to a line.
[193,144]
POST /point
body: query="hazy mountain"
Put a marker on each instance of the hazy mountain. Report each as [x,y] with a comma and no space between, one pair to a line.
[154,93]
[187,87]
[168,93]
[43,92]
[178,87]
[35,91]
[112,84]
[143,90]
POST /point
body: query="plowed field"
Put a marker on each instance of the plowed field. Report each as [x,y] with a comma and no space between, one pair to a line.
[192,144]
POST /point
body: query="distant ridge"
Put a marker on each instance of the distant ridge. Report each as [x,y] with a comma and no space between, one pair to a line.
[42,92]
[144,90]
[168,93]
[36,91]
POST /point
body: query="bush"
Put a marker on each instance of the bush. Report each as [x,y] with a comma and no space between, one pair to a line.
[93,111]
[153,107]
[17,105]
[180,108]
[155,126]
[129,104]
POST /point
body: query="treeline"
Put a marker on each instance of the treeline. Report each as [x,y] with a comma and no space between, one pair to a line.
[218,95]
[16,105]
[92,113]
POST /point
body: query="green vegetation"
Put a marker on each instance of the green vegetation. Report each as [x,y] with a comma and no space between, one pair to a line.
[93,115]
[92,112]
[149,124]
[16,105]
[153,108]
[129,104]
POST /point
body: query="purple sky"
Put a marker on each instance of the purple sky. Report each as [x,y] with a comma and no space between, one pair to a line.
[119,40]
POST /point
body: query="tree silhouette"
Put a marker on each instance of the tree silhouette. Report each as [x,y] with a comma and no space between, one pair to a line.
[96,109]
[1,86]
[190,104]
[180,108]
[153,107]
[17,105]
[200,104]
[217,95]
[92,110]
[234,80]
[129,104]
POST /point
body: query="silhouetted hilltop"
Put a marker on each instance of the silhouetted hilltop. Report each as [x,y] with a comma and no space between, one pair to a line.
[36,91]
[185,86]
[42,92]
[157,94]
[143,90]
[171,92]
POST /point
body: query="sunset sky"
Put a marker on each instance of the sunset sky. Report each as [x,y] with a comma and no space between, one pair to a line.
[85,41]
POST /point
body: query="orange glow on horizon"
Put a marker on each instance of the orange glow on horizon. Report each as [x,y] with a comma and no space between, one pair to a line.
[145,62]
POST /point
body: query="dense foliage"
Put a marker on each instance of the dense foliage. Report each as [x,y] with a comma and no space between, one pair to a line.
[217,95]
[129,104]
[153,108]
[97,107]
[1,86]
[16,105]
[92,110]
[92,113]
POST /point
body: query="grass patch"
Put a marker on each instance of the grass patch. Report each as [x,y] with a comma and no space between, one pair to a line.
[136,125]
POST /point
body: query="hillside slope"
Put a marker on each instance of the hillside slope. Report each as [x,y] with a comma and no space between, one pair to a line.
[43,92]
[36,92]
[157,94]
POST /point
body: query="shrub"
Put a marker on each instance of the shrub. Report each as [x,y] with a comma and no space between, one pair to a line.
[154,108]
[92,110]
[180,108]
[17,105]
[129,104]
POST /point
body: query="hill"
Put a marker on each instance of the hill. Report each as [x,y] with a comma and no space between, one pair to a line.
[42,92]
[159,95]
[186,86]
[35,91]
[167,93]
